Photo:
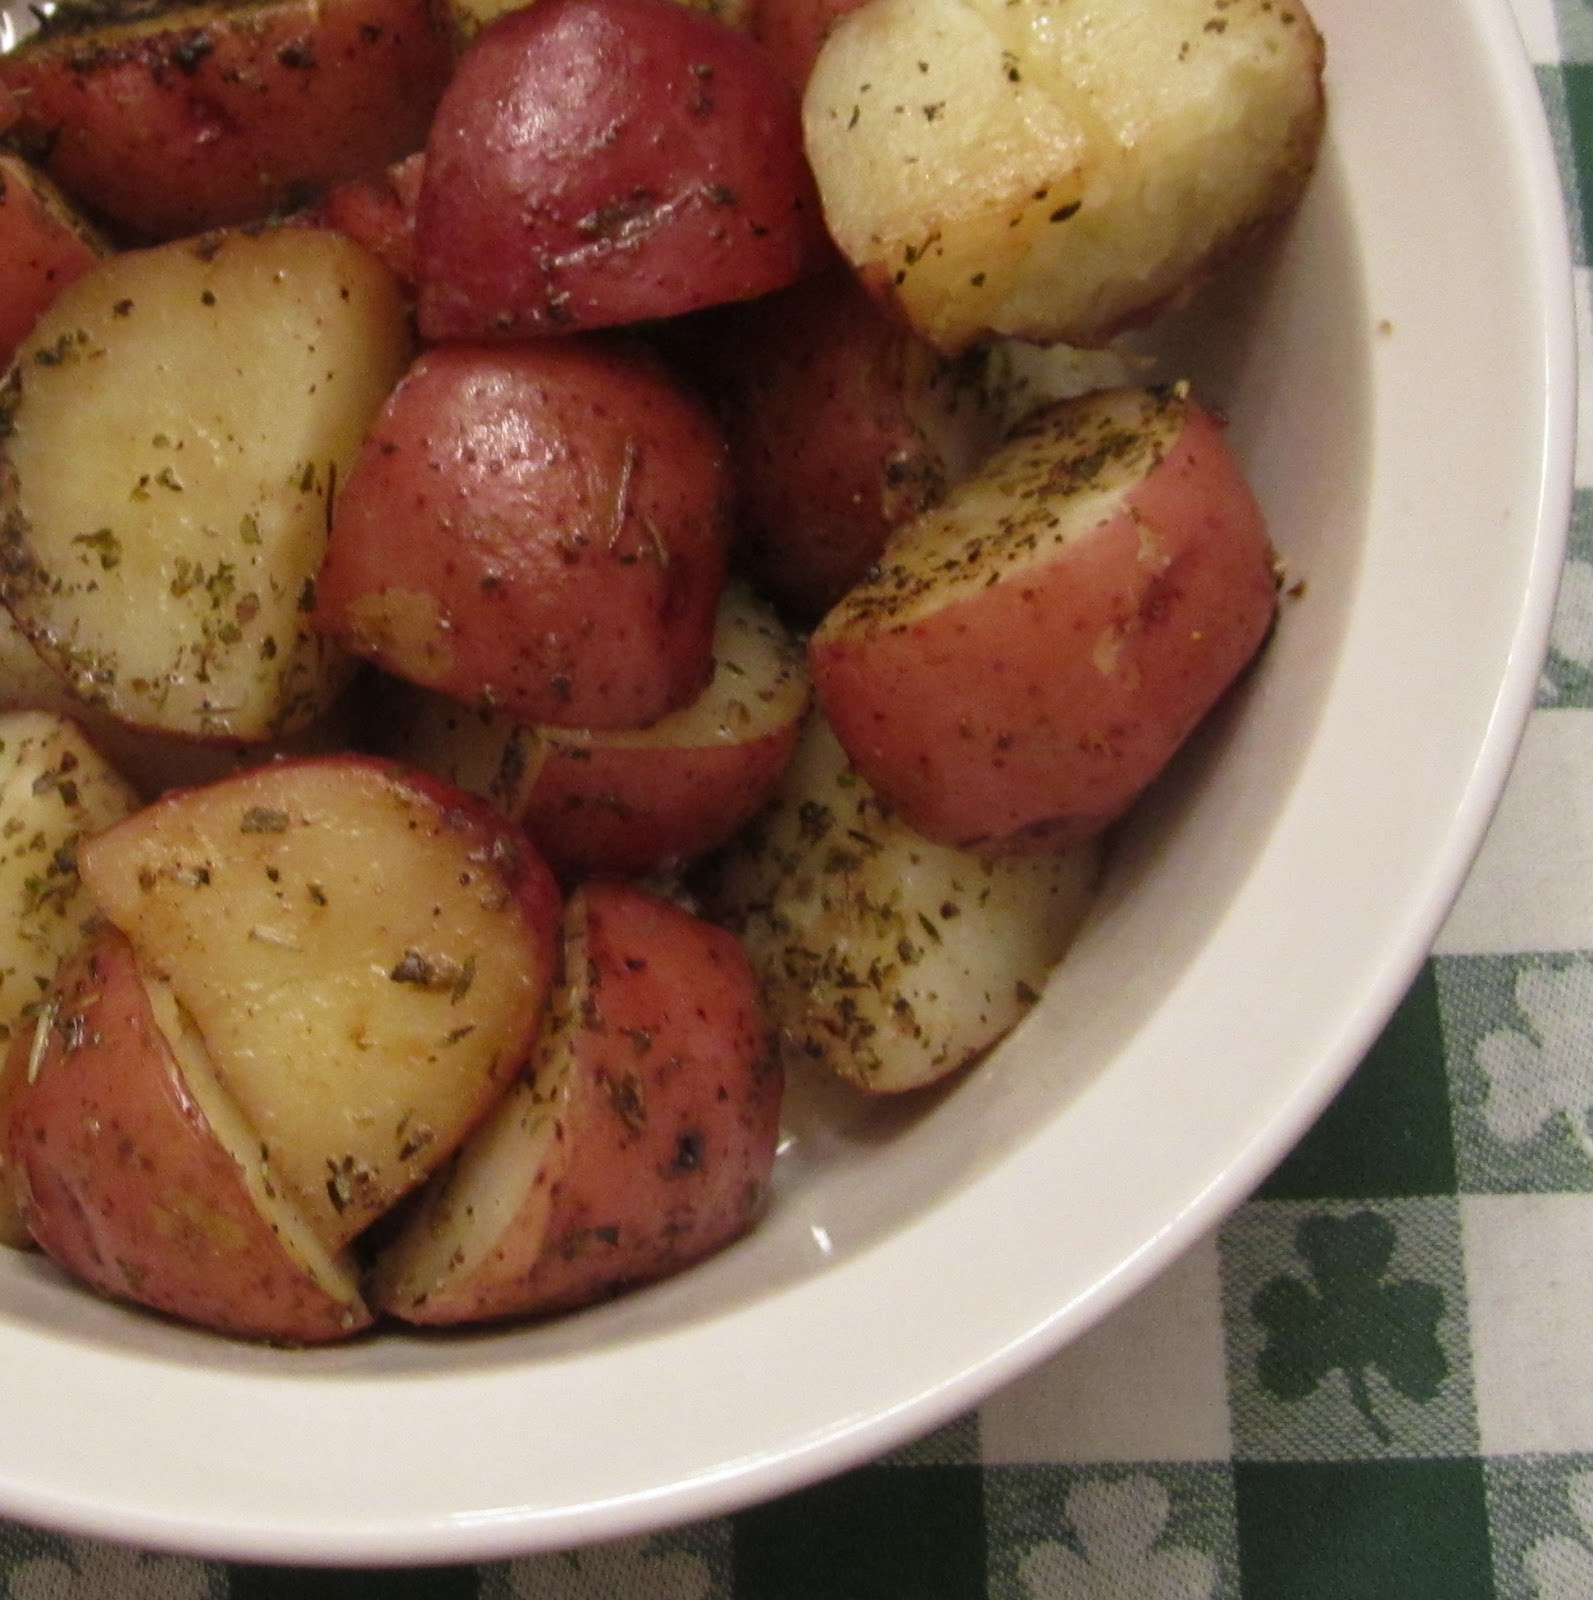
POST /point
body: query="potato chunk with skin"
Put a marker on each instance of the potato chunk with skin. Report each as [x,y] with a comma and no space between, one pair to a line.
[364,950]
[539,528]
[137,1178]
[209,115]
[601,162]
[1027,657]
[641,1140]
[55,787]
[884,957]
[628,801]
[171,438]
[1057,171]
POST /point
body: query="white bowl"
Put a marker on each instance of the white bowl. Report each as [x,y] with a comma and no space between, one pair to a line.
[1399,375]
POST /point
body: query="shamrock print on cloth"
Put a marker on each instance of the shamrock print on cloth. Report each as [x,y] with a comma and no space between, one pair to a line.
[1353,1320]
[657,1568]
[1533,1079]
[1346,1331]
[1118,1526]
[1560,1567]
[89,1570]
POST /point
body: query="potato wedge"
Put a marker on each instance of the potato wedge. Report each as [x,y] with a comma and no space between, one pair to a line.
[594,163]
[886,958]
[1057,172]
[1027,656]
[630,801]
[175,119]
[55,788]
[642,1140]
[135,1173]
[171,439]
[539,527]
[364,950]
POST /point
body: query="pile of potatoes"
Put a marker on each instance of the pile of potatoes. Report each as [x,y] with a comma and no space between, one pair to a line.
[534,603]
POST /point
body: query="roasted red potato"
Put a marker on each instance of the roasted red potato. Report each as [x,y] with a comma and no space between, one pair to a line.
[44,245]
[641,1140]
[538,528]
[130,1169]
[884,957]
[793,31]
[198,117]
[172,436]
[1028,656]
[1057,172]
[841,425]
[629,801]
[55,787]
[597,162]
[365,951]
[378,211]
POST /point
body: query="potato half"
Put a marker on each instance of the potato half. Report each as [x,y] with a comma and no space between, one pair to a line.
[171,438]
[1057,170]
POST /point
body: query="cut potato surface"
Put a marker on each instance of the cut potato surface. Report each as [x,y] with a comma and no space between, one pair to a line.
[135,1173]
[1057,171]
[55,790]
[889,959]
[55,787]
[364,951]
[174,431]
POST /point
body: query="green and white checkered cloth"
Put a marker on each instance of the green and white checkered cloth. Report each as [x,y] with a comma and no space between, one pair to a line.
[1374,1382]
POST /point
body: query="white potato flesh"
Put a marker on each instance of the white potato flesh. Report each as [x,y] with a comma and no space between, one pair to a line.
[1057,171]
[361,959]
[54,788]
[175,428]
[333,1273]
[885,957]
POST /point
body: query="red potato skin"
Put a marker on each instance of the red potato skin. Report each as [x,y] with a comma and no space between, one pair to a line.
[215,118]
[540,528]
[669,1135]
[598,809]
[990,723]
[602,162]
[826,457]
[378,211]
[40,253]
[121,1181]
[794,31]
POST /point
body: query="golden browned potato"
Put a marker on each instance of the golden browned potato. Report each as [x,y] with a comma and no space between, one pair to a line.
[364,950]
[134,1171]
[1054,170]
[55,788]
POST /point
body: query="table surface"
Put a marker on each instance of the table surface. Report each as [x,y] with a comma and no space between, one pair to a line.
[1374,1380]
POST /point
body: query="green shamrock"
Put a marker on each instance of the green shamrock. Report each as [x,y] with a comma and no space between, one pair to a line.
[1353,1320]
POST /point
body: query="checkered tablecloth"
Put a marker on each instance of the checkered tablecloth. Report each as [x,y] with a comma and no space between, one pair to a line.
[1374,1382]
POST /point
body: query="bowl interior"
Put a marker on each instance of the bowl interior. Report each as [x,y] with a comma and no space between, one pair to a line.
[1396,370]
